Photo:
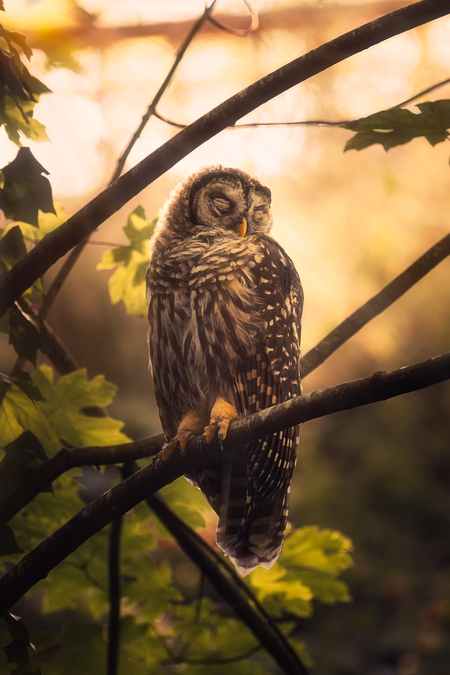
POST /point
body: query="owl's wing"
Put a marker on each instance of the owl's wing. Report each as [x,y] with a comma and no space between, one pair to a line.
[250,492]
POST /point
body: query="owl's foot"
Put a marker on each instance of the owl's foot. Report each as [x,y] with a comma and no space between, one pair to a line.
[222,414]
[190,426]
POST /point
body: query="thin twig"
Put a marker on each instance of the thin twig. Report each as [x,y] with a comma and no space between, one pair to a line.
[425,91]
[152,107]
[306,123]
[389,294]
[75,229]
[242,32]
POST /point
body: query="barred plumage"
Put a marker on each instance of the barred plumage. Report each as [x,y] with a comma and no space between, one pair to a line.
[224,314]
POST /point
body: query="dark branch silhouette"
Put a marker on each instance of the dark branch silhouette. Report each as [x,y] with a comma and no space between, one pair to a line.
[56,244]
[381,386]
[308,123]
[67,459]
[227,582]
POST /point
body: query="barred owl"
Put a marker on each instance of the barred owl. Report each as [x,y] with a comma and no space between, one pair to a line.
[224,314]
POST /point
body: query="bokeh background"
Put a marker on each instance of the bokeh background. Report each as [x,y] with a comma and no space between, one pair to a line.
[351,222]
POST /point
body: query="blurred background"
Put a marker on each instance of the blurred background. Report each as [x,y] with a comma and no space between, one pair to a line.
[351,222]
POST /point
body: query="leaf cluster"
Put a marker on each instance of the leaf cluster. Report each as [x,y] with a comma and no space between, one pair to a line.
[19,90]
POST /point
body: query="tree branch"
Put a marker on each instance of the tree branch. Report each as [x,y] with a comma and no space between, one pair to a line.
[227,582]
[381,301]
[378,387]
[381,386]
[69,459]
[56,244]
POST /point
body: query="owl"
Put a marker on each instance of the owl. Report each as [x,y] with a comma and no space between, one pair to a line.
[224,313]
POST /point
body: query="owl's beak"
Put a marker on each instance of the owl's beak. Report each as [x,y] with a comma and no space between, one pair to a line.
[242,227]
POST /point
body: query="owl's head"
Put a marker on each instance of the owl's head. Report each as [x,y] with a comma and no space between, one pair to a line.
[217,199]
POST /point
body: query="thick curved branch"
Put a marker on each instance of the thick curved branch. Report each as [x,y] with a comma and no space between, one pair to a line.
[56,244]
[381,301]
[67,459]
[378,387]
[40,561]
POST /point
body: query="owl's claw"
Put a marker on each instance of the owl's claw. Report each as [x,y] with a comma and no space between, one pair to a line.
[190,426]
[220,438]
[166,451]
[222,414]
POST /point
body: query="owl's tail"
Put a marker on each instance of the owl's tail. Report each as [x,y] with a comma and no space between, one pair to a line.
[251,534]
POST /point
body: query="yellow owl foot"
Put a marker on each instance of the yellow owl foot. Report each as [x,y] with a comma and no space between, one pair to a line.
[222,414]
[190,426]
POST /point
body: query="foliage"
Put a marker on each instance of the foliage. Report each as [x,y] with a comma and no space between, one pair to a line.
[163,621]
[26,190]
[309,564]
[398,126]
[127,283]
[19,91]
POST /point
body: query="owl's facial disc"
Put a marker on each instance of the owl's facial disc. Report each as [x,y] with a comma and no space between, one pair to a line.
[220,203]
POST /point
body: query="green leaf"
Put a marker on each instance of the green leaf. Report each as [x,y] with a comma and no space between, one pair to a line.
[47,512]
[19,413]
[59,416]
[20,90]
[187,500]
[23,380]
[308,567]
[26,190]
[397,126]
[280,592]
[24,335]
[324,586]
[150,586]
[47,222]
[22,458]
[8,543]
[127,283]
[12,247]
[18,39]
[79,648]
[141,652]
[65,400]
[312,548]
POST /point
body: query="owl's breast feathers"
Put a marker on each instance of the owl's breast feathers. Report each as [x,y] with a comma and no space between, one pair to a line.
[225,321]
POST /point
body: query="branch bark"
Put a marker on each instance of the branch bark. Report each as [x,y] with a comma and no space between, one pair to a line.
[381,386]
[67,459]
[56,244]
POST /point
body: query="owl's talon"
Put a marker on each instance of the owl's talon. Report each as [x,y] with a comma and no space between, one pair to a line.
[220,438]
[166,451]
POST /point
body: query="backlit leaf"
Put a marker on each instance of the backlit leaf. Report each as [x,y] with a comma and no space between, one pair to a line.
[397,126]
[127,283]
[26,190]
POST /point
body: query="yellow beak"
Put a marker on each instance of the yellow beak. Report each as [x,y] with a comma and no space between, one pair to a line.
[242,227]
